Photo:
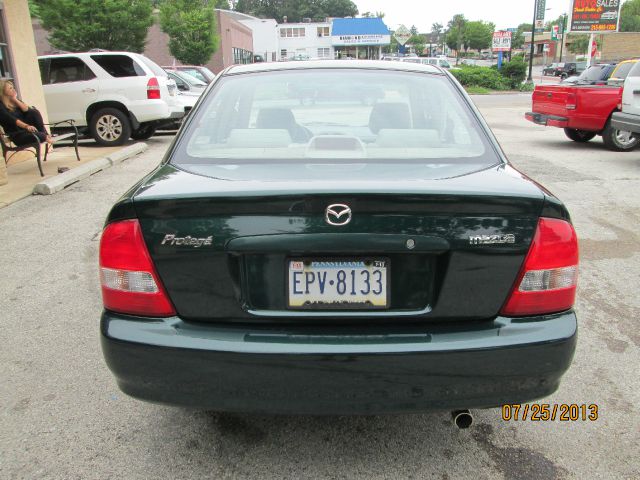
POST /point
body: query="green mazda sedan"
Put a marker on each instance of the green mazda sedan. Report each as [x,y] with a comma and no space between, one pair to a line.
[331,237]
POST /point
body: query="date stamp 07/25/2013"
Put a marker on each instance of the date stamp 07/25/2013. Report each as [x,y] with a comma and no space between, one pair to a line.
[546,412]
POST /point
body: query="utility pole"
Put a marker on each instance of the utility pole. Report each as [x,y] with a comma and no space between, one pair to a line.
[533,36]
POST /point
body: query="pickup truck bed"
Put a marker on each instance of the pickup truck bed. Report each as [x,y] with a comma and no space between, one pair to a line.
[583,111]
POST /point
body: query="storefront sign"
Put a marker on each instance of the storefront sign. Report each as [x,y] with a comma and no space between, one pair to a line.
[343,40]
[595,15]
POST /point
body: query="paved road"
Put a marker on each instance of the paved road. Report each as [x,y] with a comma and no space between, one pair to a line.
[62,416]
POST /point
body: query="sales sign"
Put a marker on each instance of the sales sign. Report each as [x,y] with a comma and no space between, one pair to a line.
[593,16]
[501,42]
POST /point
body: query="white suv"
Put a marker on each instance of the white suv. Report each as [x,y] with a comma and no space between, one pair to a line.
[116,95]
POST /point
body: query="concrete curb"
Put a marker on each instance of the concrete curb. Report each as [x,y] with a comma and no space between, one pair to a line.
[55,184]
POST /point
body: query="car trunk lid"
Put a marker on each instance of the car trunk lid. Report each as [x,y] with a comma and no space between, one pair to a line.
[451,250]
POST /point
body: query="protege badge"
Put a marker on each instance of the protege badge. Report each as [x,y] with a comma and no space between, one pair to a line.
[492,239]
[187,241]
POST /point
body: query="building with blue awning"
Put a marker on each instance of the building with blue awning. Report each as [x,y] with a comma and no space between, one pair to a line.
[361,38]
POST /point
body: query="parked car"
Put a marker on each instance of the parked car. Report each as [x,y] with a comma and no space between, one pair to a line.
[337,258]
[594,75]
[629,118]
[621,71]
[550,69]
[583,111]
[187,84]
[112,95]
[201,73]
[567,69]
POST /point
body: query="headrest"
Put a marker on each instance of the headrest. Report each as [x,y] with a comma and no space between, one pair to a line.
[389,115]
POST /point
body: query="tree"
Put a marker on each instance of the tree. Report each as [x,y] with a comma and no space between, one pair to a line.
[630,16]
[455,33]
[413,30]
[436,31]
[478,35]
[578,43]
[517,39]
[296,10]
[418,43]
[222,4]
[191,26]
[80,25]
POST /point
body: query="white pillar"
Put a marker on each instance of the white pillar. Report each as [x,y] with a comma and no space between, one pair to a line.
[591,38]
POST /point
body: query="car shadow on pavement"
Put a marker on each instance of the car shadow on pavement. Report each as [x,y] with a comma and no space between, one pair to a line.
[391,446]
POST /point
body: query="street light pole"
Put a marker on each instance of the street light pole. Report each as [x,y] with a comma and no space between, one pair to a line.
[533,36]
[564,32]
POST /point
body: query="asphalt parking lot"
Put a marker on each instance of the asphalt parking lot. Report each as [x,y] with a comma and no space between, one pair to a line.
[63,417]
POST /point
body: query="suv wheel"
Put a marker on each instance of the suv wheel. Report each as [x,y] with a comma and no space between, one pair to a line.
[619,140]
[144,132]
[579,135]
[110,127]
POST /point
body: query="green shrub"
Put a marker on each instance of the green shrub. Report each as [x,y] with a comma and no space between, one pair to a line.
[514,71]
[486,77]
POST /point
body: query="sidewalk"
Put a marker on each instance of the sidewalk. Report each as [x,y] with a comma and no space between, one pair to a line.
[23,175]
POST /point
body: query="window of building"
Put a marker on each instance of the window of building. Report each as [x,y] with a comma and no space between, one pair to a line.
[6,69]
[283,53]
[323,31]
[241,56]
[324,52]
[290,32]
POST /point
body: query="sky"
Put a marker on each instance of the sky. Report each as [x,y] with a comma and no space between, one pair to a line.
[423,13]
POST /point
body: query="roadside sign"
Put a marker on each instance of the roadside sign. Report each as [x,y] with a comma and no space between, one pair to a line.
[501,41]
[402,35]
[595,16]
[554,32]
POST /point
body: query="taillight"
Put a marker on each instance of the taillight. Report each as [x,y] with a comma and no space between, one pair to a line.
[130,283]
[153,89]
[571,103]
[547,281]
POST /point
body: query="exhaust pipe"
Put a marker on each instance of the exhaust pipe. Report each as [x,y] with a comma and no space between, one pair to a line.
[462,418]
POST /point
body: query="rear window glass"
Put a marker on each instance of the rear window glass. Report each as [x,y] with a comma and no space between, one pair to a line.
[635,71]
[593,73]
[623,70]
[337,116]
[153,66]
[119,65]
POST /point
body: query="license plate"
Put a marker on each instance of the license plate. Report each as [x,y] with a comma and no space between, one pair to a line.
[338,284]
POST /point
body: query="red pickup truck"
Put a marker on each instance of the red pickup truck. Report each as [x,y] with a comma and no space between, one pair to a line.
[584,111]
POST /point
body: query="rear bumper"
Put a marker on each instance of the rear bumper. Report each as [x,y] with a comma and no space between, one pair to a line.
[306,371]
[547,120]
[626,122]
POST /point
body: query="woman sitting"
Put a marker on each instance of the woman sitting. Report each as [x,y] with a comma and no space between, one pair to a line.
[19,121]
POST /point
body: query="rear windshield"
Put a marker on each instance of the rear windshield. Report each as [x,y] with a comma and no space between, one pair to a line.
[119,65]
[334,116]
[153,66]
[592,73]
[623,70]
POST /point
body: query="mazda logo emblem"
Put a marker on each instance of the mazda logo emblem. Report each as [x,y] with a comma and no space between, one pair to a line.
[337,214]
